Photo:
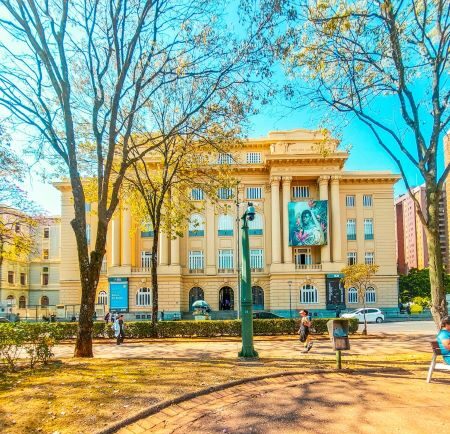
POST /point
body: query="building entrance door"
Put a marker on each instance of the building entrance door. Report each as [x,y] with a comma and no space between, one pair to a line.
[226,298]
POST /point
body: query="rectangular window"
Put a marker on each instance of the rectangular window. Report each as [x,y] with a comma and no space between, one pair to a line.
[226,260]
[225,193]
[45,253]
[146,259]
[23,279]
[11,277]
[197,194]
[47,233]
[351,229]
[88,234]
[224,159]
[351,258]
[302,257]
[350,201]
[254,193]
[368,229]
[253,157]
[299,191]
[256,259]
[104,268]
[87,207]
[369,258]
[367,200]
[196,260]
[44,276]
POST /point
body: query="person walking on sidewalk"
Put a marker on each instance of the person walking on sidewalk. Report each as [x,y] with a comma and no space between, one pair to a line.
[119,329]
[305,324]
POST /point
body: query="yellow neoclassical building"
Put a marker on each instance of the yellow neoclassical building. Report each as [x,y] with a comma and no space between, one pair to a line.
[313,218]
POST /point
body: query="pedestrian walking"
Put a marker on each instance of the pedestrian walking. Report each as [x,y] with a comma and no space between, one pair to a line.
[119,329]
[107,317]
[305,324]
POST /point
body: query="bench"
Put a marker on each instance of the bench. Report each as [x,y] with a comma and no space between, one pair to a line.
[434,365]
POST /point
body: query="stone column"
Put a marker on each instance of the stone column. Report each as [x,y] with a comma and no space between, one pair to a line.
[287,250]
[175,251]
[323,193]
[125,236]
[115,239]
[276,224]
[335,219]
[164,249]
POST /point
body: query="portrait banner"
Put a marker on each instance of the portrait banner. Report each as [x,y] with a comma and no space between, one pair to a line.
[308,223]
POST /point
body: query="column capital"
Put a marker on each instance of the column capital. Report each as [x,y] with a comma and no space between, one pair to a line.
[335,178]
[275,179]
[323,179]
[287,179]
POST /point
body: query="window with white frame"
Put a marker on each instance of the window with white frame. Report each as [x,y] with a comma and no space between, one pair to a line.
[253,157]
[146,259]
[224,159]
[196,225]
[309,295]
[302,256]
[88,234]
[197,194]
[196,261]
[225,193]
[351,258]
[23,279]
[225,225]
[367,200]
[352,295]
[371,296]
[368,229]
[299,191]
[369,258]
[255,226]
[226,261]
[254,193]
[350,201]
[351,229]
[44,253]
[144,297]
[10,300]
[102,298]
[47,233]
[22,302]
[45,301]
[11,277]
[256,259]
[44,276]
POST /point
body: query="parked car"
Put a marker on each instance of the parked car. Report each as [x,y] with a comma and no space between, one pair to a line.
[372,315]
[3,319]
[265,315]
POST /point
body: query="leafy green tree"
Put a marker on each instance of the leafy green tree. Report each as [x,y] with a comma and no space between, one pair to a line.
[359,58]
[417,284]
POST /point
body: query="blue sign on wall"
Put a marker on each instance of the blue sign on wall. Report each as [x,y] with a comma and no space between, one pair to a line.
[118,293]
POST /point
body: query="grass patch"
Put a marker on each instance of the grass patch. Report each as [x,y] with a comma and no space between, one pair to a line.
[83,395]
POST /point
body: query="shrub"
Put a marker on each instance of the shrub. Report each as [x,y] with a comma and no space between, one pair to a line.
[11,341]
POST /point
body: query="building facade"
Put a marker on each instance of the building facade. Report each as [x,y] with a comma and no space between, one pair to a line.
[312,219]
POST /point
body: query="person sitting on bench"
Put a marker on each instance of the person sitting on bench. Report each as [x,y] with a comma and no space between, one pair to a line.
[443,340]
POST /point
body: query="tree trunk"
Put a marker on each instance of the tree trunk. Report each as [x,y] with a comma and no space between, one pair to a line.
[438,300]
[154,273]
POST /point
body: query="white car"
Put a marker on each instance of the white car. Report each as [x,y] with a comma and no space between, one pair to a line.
[372,315]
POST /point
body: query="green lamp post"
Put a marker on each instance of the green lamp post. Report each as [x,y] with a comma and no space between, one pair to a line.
[246,288]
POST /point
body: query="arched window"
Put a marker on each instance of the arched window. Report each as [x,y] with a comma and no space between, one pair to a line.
[225,225]
[308,295]
[44,301]
[22,302]
[226,298]
[10,300]
[255,227]
[196,225]
[143,297]
[195,294]
[353,295]
[371,296]
[258,298]
[102,298]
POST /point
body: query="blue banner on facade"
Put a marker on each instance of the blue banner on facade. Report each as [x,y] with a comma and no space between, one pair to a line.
[118,293]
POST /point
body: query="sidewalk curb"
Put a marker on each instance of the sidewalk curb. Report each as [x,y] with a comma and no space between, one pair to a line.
[188,396]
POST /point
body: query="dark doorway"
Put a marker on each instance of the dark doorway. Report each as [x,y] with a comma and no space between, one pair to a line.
[258,298]
[195,294]
[226,298]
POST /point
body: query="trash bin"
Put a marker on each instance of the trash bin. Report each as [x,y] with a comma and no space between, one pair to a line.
[338,331]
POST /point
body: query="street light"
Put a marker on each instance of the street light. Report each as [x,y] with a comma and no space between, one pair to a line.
[290,298]
[246,289]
